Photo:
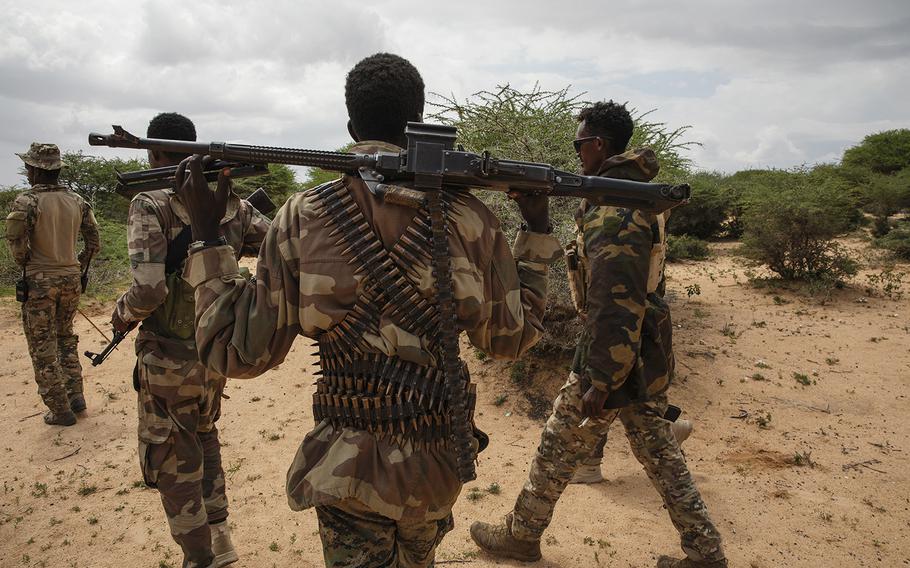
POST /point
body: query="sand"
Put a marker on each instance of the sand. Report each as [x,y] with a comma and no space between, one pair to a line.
[794,474]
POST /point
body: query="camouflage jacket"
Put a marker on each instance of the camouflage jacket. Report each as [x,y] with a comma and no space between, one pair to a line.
[626,345]
[42,227]
[305,286]
[155,219]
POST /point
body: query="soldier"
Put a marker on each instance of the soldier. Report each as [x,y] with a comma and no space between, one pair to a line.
[179,399]
[589,470]
[622,366]
[41,229]
[352,271]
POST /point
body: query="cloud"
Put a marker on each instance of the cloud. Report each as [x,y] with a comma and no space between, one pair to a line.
[771,83]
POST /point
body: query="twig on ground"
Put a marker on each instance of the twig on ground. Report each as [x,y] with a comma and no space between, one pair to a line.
[826,409]
[69,455]
[743,414]
[29,416]
[866,464]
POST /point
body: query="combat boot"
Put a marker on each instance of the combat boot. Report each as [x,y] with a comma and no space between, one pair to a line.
[669,562]
[59,418]
[77,403]
[588,473]
[681,430]
[222,547]
[497,540]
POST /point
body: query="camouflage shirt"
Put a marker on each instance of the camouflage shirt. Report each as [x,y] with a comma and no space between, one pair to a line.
[155,219]
[305,286]
[42,227]
[626,345]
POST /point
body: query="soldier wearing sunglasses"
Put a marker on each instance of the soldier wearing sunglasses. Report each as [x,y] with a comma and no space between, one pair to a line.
[623,364]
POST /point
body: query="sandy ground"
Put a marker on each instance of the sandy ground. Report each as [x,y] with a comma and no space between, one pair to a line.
[794,475]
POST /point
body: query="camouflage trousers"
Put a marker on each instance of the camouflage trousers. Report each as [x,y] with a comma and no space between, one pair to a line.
[47,318]
[179,451]
[564,445]
[353,536]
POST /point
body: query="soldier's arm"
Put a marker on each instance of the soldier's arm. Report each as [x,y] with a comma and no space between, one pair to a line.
[147,246]
[90,236]
[255,232]
[618,244]
[243,327]
[18,225]
[516,294]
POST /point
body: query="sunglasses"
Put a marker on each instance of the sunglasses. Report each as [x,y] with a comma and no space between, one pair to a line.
[579,142]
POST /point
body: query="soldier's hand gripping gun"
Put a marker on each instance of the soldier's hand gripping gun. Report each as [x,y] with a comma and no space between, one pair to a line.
[98,358]
[431,152]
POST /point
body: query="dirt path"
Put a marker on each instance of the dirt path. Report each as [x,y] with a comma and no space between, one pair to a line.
[825,481]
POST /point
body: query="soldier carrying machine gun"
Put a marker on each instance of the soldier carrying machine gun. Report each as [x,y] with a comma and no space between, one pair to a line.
[431,162]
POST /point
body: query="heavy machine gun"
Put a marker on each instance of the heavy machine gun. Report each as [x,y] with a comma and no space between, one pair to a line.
[431,152]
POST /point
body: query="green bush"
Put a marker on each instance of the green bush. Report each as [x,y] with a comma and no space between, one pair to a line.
[706,213]
[790,220]
[897,241]
[686,247]
[110,272]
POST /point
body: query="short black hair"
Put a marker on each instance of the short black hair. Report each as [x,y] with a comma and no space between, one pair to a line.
[172,126]
[609,120]
[383,92]
[48,177]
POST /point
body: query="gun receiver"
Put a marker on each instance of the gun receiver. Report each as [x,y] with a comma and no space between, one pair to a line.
[431,152]
[131,183]
[98,358]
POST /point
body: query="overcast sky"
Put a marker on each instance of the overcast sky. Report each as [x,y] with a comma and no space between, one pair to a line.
[763,83]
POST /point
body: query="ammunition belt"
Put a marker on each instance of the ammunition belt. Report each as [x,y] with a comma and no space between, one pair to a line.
[419,403]
[386,286]
[387,396]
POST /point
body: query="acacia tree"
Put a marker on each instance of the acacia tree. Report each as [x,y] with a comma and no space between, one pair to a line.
[538,126]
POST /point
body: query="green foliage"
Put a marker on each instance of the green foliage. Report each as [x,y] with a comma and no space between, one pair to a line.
[280,183]
[95,179]
[706,213]
[885,195]
[897,241]
[9,270]
[883,153]
[685,247]
[110,271]
[791,219]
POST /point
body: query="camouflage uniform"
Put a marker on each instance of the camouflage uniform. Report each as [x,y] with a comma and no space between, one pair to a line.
[380,499]
[626,350]
[179,399]
[41,229]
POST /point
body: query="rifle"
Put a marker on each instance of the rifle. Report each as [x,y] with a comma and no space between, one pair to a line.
[131,183]
[98,358]
[430,153]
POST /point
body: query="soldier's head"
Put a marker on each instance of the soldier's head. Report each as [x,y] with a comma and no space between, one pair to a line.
[604,130]
[42,163]
[170,126]
[383,93]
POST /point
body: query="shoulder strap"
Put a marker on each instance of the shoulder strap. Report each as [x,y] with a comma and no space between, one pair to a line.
[177,250]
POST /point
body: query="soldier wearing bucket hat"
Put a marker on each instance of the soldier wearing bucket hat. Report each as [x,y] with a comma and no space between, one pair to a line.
[41,230]
[43,156]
